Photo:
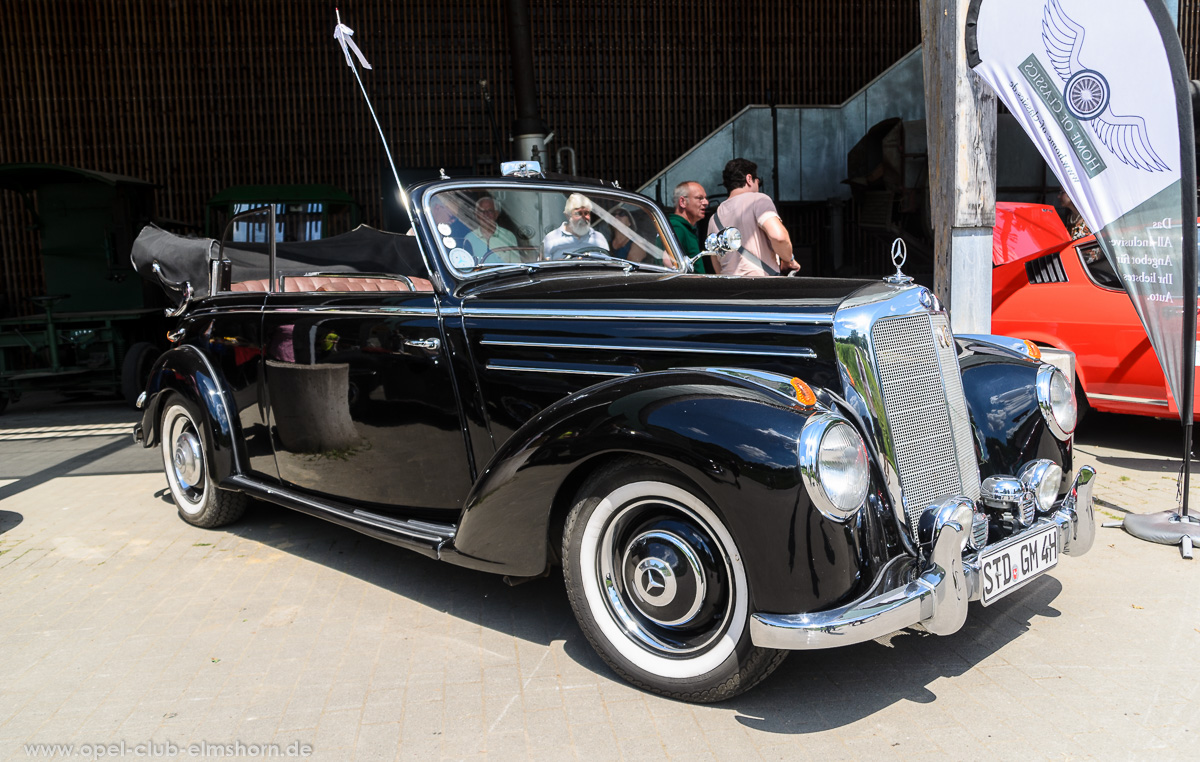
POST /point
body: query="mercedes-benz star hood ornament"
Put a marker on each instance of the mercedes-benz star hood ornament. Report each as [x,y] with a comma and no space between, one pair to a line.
[899,256]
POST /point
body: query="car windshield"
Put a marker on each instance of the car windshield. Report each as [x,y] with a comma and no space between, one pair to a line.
[482,229]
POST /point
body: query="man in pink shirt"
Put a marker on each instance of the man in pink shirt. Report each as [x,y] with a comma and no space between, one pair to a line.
[766,245]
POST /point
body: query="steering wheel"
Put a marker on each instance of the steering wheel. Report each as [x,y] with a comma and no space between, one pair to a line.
[520,250]
[589,250]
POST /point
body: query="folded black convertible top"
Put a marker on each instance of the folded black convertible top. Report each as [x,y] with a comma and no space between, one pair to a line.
[185,259]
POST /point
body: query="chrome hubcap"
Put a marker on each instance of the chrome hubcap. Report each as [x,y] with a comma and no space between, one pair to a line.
[666,578]
[187,459]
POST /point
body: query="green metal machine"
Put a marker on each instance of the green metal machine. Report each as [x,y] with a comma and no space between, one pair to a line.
[97,327]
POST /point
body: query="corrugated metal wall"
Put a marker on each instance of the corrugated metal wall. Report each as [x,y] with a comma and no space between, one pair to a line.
[197,95]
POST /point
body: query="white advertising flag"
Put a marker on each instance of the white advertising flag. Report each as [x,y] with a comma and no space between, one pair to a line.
[1101,88]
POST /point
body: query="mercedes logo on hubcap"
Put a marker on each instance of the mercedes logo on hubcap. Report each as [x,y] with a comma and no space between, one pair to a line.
[654,581]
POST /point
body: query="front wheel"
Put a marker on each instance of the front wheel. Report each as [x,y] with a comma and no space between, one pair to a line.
[185,459]
[659,587]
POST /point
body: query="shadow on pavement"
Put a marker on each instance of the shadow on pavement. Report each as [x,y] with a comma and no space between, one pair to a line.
[812,691]
[63,467]
[9,520]
[815,691]
[535,611]
[1151,436]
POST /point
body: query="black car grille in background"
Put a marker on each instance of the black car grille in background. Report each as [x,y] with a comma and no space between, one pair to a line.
[926,410]
[1047,269]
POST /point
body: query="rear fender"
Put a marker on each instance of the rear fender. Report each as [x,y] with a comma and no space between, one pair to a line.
[733,439]
[187,372]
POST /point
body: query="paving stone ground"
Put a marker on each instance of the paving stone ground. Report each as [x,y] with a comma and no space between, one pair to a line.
[120,623]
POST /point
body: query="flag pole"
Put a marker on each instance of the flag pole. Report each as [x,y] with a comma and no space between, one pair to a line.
[1177,527]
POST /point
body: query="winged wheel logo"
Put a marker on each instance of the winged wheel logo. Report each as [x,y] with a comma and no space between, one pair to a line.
[1087,93]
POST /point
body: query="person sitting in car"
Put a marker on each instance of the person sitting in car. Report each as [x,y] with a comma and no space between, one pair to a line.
[489,241]
[576,233]
[623,246]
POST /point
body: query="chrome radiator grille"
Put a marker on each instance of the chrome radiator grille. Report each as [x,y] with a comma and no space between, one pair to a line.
[926,410]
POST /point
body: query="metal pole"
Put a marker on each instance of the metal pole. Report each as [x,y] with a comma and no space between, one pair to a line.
[529,131]
[1187,172]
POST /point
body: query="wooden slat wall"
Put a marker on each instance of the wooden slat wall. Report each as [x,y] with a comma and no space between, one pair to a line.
[197,95]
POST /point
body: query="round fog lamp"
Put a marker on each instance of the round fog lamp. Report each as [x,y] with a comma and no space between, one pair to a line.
[1042,477]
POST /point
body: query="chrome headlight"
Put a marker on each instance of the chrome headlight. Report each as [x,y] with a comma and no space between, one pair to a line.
[1056,399]
[833,461]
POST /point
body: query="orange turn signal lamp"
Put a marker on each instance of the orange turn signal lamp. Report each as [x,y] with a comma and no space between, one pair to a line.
[804,393]
[1035,352]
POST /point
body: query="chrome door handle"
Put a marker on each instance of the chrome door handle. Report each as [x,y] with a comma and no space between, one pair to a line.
[430,344]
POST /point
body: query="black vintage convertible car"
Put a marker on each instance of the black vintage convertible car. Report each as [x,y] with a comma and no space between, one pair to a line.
[724,469]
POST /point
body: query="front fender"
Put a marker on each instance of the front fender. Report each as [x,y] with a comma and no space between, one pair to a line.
[1002,399]
[735,441]
[184,370]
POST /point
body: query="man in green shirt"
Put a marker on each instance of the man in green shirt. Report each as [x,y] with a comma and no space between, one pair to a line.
[690,203]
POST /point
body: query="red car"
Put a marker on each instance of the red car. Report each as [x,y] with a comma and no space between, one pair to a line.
[1062,293]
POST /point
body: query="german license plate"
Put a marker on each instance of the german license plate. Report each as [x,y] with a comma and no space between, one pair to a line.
[1008,567]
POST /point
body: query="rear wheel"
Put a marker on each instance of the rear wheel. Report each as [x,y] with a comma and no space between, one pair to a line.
[185,459]
[659,587]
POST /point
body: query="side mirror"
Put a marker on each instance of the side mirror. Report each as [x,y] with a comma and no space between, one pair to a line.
[725,239]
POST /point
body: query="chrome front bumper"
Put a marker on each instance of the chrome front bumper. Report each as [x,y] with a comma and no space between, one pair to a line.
[933,594]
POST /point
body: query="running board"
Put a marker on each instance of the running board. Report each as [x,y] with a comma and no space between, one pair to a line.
[428,538]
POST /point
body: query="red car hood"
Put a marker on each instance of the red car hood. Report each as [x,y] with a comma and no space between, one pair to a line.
[1023,230]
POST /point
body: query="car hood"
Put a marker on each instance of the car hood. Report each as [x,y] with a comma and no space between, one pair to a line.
[813,297]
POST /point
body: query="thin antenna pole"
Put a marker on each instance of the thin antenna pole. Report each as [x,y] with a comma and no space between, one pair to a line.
[343,35]
[386,149]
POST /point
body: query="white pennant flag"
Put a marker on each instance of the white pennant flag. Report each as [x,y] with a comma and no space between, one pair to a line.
[343,35]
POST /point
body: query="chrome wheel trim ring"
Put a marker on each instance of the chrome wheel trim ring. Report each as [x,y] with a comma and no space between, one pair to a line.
[179,431]
[613,618]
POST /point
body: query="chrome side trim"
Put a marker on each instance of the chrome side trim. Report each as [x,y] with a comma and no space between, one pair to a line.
[359,311]
[215,310]
[1119,398]
[569,371]
[644,315]
[803,352]
[934,594]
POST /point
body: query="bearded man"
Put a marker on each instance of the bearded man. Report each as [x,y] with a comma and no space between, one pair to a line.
[576,233]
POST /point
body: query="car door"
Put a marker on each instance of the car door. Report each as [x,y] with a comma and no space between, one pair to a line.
[361,398]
